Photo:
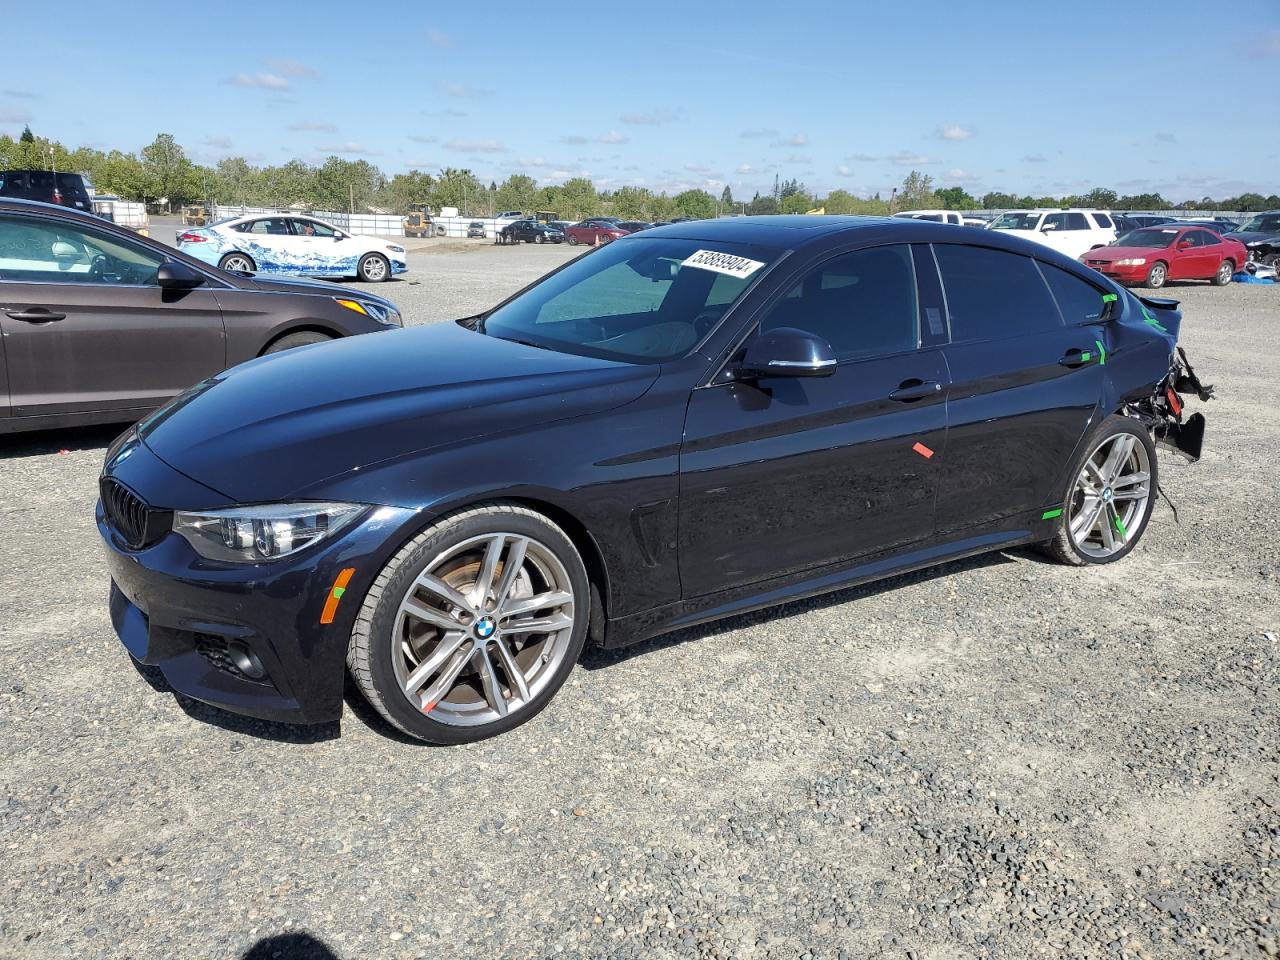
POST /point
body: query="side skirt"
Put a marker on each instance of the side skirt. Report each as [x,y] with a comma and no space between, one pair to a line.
[768,593]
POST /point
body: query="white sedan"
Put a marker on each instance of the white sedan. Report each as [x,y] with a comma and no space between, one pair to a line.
[292,245]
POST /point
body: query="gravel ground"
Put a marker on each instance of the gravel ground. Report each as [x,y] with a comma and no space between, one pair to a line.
[1001,758]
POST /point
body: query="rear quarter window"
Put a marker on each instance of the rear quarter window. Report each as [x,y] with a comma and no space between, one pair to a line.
[1079,302]
[1103,221]
[993,294]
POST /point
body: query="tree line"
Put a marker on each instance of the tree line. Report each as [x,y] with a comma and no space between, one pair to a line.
[162,173]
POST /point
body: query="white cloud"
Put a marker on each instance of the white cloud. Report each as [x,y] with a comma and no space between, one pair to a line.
[957,175]
[905,158]
[465,91]
[953,131]
[759,133]
[20,94]
[265,81]
[316,126]
[1034,158]
[843,171]
[795,140]
[292,68]
[652,118]
[1166,138]
[573,139]
[418,139]
[613,136]
[222,143]
[347,146]
[864,157]
[745,168]
[438,38]
[476,146]
[9,115]
[797,158]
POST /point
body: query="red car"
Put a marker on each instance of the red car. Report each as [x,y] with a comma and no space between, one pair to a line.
[591,231]
[1153,255]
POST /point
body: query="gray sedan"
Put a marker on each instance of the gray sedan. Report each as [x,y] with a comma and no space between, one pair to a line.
[100,325]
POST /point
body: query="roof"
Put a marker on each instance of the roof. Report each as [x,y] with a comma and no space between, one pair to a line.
[778,231]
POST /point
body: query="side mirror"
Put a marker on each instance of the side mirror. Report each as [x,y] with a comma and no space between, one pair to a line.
[787,352]
[1184,244]
[1048,226]
[178,276]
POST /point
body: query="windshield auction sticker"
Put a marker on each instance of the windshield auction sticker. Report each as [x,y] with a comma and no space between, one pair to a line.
[722,263]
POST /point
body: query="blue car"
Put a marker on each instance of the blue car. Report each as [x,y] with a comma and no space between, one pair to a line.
[294,246]
[691,422]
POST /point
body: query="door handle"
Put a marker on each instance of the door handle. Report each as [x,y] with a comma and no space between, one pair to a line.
[36,315]
[911,390]
[1075,358]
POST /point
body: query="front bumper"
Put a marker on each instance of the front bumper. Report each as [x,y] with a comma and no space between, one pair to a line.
[199,621]
[1126,274]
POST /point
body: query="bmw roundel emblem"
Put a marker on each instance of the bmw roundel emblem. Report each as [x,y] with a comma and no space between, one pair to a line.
[485,627]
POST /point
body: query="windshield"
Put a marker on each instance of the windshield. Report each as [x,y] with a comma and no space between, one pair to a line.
[1015,221]
[641,300]
[1262,223]
[1148,237]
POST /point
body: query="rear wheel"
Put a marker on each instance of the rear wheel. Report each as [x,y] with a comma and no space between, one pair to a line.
[539,238]
[373,268]
[1226,270]
[473,626]
[1157,275]
[237,263]
[300,339]
[1111,497]
[573,241]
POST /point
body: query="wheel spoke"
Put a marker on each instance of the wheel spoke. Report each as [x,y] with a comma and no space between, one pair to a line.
[1121,448]
[1108,534]
[523,605]
[489,680]
[1086,518]
[557,621]
[512,669]
[1136,493]
[441,589]
[488,567]
[427,614]
[1119,533]
[1095,475]
[1129,479]
[511,568]
[445,648]
[448,677]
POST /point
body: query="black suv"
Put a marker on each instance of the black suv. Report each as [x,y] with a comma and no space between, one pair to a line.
[64,189]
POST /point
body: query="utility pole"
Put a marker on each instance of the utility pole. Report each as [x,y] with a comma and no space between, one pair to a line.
[351,198]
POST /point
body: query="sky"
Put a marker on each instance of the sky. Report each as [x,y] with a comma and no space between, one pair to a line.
[1028,97]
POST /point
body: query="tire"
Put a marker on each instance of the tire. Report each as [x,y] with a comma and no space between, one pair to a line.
[454,699]
[373,268]
[300,339]
[539,238]
[1226,270]
[1115,530]
[573,241]
[1158,275]
[232,261]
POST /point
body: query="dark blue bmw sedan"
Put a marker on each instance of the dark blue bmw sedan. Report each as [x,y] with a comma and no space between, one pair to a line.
[688,423]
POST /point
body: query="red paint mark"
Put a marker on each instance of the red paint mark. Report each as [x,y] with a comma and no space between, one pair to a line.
[924,451]
[63,452]
[428,706]
[1174,403]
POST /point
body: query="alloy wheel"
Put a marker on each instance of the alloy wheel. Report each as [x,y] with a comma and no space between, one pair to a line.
[1224,273]
[1110,496]
[237,263]
[375,268]
[483,629]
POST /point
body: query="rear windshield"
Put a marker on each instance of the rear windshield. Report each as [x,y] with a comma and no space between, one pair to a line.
[641,299]
[1016,221]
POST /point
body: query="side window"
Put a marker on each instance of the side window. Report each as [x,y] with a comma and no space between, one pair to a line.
[954,218]
[862,303]
[1079,302]
[40,251]
[1204,238]
[276,226]
[1076,221]
[311,228]
[992,294]
[1103,221]
[1056,220]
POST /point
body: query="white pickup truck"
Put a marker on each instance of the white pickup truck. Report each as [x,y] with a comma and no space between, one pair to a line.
[937,216]
[1072,232]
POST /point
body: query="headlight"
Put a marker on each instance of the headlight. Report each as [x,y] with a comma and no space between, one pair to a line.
[394,249]
[265,532]
[1131,262]
[383,313]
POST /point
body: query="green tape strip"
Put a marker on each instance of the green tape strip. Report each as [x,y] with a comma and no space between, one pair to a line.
[1086,356]
[1051,514]
[1102,352]
[1149,318]
[1108,297]
[338,592]
[1120,526]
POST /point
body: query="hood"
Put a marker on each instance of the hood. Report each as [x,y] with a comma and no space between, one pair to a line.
[1253,236]
[266,429]
[306,285]
[1123,253]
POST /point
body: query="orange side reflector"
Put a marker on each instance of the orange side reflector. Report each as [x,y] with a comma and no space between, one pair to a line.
[924,451]
[335,594]
[1175,403]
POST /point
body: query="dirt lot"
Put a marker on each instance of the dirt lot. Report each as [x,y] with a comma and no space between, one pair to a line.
[1001,758]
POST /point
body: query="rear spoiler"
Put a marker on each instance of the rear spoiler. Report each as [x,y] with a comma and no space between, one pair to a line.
[1159,303]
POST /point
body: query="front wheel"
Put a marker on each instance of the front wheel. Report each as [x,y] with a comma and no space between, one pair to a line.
[1111,497]
[373,268]
[1157,276]
[573,241]
[1226,270]
[473,626]
[300,339]
[539,238]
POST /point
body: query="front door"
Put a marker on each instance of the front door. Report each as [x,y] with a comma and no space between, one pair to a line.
[87,328]
[1028,344]
[784,474]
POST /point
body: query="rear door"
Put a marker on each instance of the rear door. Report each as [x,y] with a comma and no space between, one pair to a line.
[785,474]
[1026,378]
[270,242]
[86,327]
